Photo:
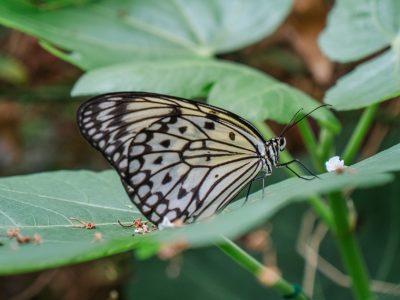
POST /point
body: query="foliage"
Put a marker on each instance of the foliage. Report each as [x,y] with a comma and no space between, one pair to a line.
[356,31]
[224,84]
[171,47]
[145,30]
[29,204]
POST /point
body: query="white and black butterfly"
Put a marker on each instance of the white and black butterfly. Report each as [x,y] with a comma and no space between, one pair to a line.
[177,159]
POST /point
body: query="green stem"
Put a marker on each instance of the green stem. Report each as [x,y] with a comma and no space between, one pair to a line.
[321,209]
[350,252]
[310,143]
[325,144]
[359,133]
[257,269]
[315,202]
[244,259]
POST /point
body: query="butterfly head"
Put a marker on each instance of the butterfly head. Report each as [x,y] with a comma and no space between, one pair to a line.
[277,144]
[273,147]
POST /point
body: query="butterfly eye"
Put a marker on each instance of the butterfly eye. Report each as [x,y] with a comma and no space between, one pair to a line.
[282,143]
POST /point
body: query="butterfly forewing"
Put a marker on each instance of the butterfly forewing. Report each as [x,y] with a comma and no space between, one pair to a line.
[109,123]
[177,159]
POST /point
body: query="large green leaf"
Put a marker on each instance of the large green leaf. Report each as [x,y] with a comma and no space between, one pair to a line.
[355,30]
[43,204]
[359,28]
[245,91]
[105,32]
[373,81]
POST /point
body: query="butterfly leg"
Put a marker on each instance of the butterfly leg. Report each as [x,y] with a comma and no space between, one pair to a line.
[286,164]
[249,188]
[263,186]
[248,192]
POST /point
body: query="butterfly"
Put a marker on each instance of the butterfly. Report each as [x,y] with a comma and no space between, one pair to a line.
[179,160]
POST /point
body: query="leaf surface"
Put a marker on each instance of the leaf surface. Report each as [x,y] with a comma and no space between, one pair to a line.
[44,203]
[99,33]
[355,30]
[249,93]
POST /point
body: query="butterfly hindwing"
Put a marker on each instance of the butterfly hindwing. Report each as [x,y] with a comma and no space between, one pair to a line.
[176,175]
[177,159]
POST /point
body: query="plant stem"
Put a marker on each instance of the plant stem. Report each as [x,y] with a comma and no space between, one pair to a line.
[249,263]
[244,259]
[315,202]
[350,252]
[310,143]
[359,133]
[325,144]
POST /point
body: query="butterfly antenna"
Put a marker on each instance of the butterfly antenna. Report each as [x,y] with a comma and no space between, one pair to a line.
[293,123]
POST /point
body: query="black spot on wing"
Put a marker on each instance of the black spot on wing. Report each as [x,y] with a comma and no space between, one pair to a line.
[232,136]
[165,143]
[182,129]
[164,128]
[182,193]
[212,117]
[176,111]
[173,120]
[209,125]
[167,178]
[158,161]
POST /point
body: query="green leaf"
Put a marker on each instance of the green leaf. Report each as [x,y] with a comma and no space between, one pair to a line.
[242,90]
[357,29]
[385,161]
[371,82]
[105,32]
[57,4]
[44,204]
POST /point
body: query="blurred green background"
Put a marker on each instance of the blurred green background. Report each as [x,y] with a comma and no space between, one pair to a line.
[38,133]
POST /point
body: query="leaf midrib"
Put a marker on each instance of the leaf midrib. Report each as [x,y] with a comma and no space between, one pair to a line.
[67,200]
